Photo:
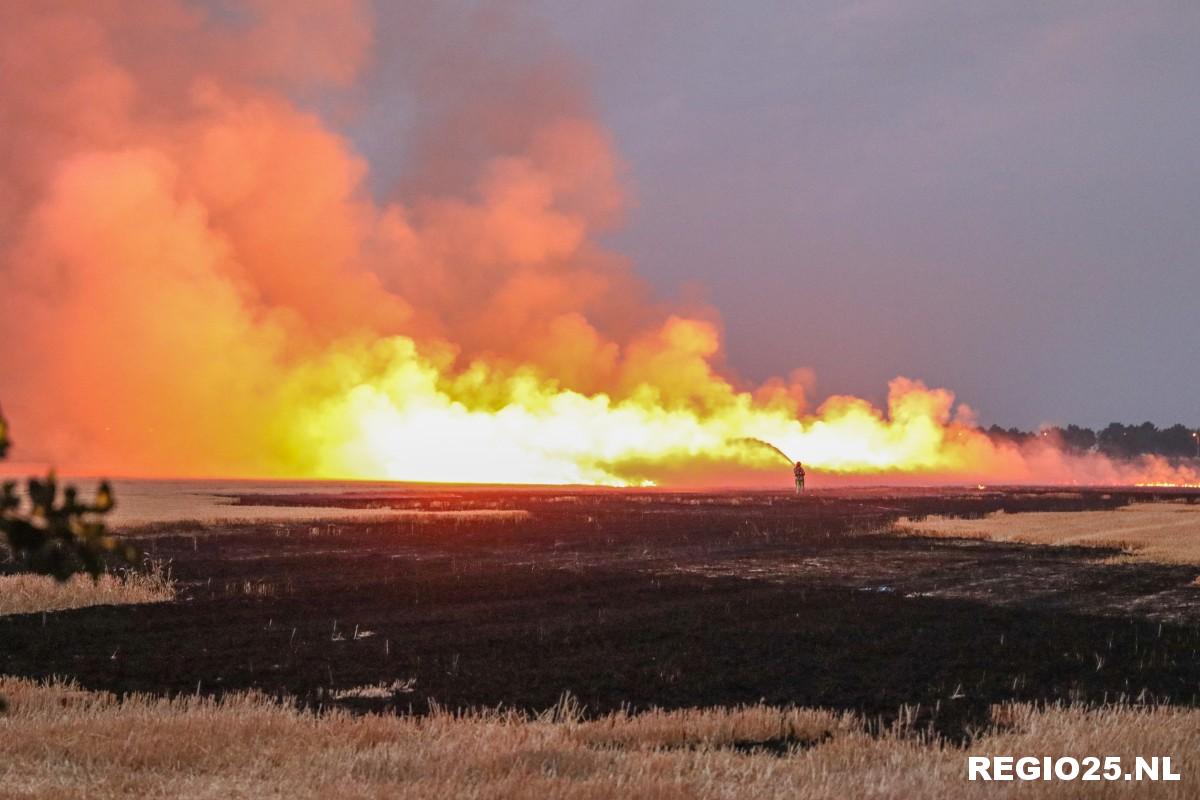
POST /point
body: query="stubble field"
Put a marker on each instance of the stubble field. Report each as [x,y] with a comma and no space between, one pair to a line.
[431,601]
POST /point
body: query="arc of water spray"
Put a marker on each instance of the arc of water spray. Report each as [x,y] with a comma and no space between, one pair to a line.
[768,445]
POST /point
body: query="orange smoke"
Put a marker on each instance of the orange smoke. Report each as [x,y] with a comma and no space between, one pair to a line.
[196,280]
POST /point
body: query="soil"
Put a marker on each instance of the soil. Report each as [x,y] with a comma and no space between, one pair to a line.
[640,599]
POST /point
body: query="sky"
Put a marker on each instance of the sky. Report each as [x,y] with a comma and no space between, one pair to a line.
[1000,198]
[568,242]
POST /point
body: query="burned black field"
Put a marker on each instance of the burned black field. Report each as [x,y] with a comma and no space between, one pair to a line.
[489,597]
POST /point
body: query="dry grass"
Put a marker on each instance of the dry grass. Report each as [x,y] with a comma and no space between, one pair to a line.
[59,741]
[377,691]
[1162,532]
[29,594]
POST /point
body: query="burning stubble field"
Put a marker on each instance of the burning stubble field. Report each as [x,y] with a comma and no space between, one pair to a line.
[624,599]
[414,601]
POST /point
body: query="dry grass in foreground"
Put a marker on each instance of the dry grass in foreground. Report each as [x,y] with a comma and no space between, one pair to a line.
[1163,532]
[59,741]
[29,594]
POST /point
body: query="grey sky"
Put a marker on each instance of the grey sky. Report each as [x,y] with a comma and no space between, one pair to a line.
[1001,198]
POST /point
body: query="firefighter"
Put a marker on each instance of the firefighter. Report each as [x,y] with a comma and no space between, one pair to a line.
[798,471]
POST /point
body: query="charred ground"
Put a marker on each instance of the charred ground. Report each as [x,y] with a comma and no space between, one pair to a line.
[638,599]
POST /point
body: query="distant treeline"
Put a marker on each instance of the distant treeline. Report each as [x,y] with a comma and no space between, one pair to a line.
[1115,440]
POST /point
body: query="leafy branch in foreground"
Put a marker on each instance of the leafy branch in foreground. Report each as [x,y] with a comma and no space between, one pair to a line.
[57,537]
[55,533]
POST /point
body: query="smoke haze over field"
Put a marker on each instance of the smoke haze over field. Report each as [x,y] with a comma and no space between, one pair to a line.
[197,280]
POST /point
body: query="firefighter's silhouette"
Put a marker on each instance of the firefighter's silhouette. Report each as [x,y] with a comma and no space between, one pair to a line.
[798,471]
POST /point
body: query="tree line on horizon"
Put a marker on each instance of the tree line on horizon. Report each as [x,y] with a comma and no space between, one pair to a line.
[1115,440]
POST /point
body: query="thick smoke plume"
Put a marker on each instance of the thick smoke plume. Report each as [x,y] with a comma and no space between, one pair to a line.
[197,280]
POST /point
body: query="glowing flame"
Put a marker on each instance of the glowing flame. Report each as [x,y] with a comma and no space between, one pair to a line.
[1168,485]
[406,425]
[412,424]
